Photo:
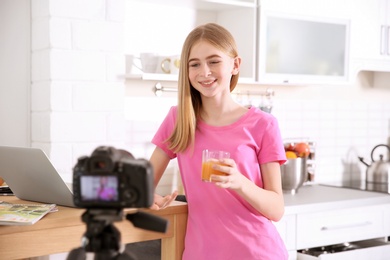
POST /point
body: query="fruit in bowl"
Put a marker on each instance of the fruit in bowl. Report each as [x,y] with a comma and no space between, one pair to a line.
[302,149]
[293,174]
[291,155]
[297,150]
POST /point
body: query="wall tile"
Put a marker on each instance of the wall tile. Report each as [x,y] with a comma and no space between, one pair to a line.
[60,33]
[114,64]
[102,96]
[116,126]
[115,10]
[61,96]
[47,95]
[85,9]
[77,65]
[78,127]
[97,35]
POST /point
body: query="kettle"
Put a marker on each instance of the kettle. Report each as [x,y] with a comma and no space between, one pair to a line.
[379,170]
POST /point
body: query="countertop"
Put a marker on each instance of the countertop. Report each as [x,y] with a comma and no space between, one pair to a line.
[316,197]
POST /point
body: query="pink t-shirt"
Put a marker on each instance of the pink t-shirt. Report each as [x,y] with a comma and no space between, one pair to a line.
[221,224]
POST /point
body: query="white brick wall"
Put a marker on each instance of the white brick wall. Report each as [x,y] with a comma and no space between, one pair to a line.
[77,98]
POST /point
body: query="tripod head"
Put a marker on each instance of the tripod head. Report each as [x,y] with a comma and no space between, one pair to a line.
[103,239]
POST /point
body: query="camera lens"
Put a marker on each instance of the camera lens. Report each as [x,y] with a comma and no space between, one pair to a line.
[100,165]
[130,195]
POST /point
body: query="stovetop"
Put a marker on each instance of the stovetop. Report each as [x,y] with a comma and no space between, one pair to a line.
[361,185]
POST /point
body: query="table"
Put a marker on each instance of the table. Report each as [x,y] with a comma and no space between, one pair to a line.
[61,231]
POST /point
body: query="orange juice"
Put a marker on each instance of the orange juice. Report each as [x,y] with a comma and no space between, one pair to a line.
[207,170]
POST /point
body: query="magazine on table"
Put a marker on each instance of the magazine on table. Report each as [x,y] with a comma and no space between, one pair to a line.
[23,214]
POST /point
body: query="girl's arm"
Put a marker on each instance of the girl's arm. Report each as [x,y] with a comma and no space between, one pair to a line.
[269,200]
[159,161]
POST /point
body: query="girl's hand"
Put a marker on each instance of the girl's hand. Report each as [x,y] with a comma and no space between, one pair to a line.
[161,202]
[234,178]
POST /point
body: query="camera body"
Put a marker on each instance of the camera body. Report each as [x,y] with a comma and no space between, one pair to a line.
[113,179]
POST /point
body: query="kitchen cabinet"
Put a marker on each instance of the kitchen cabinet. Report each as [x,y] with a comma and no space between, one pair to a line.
[304,42]
[367,35]
[339,226]
[370,43]
[319,216]
[387,217]
[238,16]
[287,230]
[296,49]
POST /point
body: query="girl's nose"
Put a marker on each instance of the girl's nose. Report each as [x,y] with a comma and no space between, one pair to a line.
[206,70]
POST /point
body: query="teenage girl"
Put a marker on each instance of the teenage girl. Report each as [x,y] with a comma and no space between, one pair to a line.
[230,217]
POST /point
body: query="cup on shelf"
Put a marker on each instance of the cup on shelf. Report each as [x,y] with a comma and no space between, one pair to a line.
[133,64]
[168,64]
[149,62]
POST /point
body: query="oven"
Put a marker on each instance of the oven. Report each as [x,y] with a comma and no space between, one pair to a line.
[375,249]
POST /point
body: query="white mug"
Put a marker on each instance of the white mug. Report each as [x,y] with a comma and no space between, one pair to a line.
[149,62]
[145,63]
[169,65]
[133,65]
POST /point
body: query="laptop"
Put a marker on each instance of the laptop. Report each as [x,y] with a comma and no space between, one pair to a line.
[30,175]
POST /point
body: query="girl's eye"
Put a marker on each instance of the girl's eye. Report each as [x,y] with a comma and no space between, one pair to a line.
[214,62]
[194,65]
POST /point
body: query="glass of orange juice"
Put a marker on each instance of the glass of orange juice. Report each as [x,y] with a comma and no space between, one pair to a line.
[209,158]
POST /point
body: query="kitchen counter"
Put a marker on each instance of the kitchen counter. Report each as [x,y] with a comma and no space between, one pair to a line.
[316,197]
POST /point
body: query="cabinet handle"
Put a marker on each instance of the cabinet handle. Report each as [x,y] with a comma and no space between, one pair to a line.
[353,225]
[387,40]
[384,40]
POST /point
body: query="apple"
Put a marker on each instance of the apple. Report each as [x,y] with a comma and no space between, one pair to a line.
[302,149]
[289,147]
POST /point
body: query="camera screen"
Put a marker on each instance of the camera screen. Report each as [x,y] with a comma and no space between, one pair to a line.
[99,188]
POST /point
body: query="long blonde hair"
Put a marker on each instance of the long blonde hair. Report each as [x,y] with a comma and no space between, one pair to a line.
[189,100]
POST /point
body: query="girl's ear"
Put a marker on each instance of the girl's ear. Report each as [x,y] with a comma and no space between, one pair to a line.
[236,65]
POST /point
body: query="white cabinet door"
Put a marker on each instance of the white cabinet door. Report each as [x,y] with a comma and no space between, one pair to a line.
[387,218]
[370,35]
[286,228]
[303,42]
[366,29]
[339,226]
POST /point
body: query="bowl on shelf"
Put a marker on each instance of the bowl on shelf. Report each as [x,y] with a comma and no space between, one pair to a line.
[294,173]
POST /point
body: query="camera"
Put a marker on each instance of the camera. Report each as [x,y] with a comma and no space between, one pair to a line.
[112,179]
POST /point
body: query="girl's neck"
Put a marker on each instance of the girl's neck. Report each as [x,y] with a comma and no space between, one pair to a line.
[221,113]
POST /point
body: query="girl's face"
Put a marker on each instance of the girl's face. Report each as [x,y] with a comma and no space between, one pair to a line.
[210,69]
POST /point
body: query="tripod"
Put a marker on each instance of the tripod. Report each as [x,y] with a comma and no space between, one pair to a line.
[103,239]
